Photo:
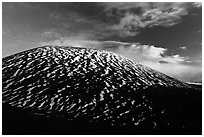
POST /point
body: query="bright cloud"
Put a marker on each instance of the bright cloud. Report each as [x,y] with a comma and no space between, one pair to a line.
[152,53]
[154,57]
[182,72]
[183,48]
[73,41]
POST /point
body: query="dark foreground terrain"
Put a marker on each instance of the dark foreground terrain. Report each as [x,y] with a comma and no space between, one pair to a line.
[58,90]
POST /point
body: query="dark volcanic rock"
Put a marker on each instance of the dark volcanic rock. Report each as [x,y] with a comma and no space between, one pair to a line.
[63,90]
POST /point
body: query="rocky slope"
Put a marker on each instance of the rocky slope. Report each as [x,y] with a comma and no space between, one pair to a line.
[95,92]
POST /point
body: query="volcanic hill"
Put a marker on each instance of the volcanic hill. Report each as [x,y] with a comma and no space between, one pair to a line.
[66,90]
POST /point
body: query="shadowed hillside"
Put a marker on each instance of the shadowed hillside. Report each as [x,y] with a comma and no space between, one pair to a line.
[63,90]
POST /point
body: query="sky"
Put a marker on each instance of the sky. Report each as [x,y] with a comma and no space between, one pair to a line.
[165,36]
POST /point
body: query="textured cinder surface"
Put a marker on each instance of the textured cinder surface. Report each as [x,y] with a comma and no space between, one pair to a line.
[96,86]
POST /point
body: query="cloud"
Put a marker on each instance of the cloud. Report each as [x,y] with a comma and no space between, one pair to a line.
[183,48]
[135,16]
[110,6]
[151,53]
[56,16]
[182,72]
[200,31]
[71,16]
[82,40]
[85,41]
[51,34]
[197,4]
[128,25]
[156,58]
[165,16]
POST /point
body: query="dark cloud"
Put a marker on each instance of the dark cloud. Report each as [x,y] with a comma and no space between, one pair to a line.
[135,16]
[163,62]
